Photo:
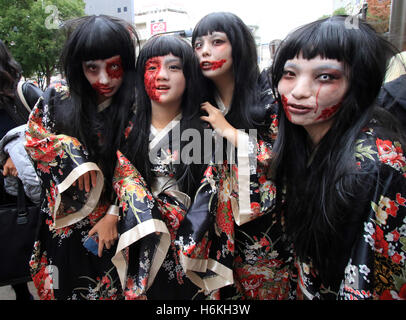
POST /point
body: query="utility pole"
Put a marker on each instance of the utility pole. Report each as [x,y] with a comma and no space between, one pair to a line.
[397,24]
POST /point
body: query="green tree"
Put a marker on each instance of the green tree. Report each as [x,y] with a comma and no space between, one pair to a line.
[31,30]
[339,11]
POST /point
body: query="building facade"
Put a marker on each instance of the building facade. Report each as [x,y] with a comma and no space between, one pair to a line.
[123,9]
[160,18]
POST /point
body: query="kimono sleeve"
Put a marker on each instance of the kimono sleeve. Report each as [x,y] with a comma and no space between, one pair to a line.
[254,192]
[60,160]
[144,237]
[377,267]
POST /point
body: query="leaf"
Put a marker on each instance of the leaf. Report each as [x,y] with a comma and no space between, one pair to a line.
[361,151]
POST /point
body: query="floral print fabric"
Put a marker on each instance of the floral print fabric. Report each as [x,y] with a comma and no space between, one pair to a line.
[61,267]
[219,253]
[375,267]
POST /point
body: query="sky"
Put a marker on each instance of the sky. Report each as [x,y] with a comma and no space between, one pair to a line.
[275,18]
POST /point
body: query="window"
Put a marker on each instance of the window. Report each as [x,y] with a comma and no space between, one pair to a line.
[118,10]
[125,9]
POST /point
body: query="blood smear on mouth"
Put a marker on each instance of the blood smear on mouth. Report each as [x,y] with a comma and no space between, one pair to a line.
[217,64]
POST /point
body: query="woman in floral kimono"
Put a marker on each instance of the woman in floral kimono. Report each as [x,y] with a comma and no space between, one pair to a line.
[227,238]
[167,111]
[73,136]
[341,163]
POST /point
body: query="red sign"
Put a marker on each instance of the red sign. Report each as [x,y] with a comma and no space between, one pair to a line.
[158,27]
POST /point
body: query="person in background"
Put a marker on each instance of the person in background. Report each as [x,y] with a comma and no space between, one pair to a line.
[73,136]
[340,162]
[396,67]
[392,97]
[17,98]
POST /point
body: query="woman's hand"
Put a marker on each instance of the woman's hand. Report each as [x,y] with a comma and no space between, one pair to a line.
[219,123]
[106,230]
[86,179]
[9,169]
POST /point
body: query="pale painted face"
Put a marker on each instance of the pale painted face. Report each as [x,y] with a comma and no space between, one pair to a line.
[214,52]
[164,79]
[312,91]
[105,76]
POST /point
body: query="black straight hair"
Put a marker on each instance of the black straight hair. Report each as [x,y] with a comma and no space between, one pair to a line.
[244,111]
[10,74]
[137,148]
[324,199]
[97,38]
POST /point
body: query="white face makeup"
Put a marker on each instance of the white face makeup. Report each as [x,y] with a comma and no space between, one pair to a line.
[214,52]
[312,91]
[164,79]
[105,76]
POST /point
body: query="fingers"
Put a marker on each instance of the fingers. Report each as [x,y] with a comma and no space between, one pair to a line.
[92,231]
[9,168]
[86,181]
[80,182]
[100,249]
[9,171]
[207,107]
[205,118]
[106,243]
[93,176]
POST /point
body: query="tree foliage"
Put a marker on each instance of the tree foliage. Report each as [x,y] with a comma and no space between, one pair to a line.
[378,14]
[31,30]
[339,11]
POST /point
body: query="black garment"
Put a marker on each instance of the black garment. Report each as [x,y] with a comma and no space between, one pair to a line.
[392,97]
[12,116]
[6,123]
[17,112]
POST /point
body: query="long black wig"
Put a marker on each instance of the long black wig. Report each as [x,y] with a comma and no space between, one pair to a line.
[244,110]
[95,38]
[10,73]
[187,174]
[324,200]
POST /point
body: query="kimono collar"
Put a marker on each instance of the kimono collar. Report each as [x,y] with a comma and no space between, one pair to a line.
[104,105]
[158,135]
[224,110]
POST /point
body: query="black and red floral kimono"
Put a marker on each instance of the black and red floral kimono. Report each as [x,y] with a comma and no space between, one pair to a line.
[146,258]
[375,266]
[229,239]
[255,260]
[61,267]
[143,264]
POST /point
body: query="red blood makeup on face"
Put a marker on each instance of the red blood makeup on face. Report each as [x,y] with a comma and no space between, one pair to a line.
[114,68]
[328,112]
[152,69]
[285,107]
[214,64]
[101,88]
[317,100]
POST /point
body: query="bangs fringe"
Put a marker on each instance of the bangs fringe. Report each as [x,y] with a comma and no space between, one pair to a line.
[99,40]
[322,40]
[219,21]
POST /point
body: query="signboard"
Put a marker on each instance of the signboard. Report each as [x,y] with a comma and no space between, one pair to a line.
[158,27]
